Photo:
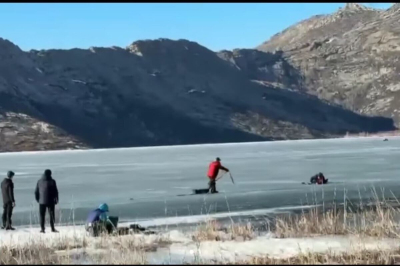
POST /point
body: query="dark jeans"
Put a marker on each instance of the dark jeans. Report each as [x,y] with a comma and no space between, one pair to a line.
[212,185]
[99,227]
[42,212]
[7,213]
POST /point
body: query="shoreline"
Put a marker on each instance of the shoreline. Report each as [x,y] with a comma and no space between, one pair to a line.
[395,134]
[303,237]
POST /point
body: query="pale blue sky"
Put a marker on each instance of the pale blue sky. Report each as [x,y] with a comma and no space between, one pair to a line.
[216,26]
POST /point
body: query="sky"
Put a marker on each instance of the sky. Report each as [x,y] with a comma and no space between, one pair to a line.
[216,26]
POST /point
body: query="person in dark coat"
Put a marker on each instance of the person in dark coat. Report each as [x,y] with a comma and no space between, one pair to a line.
[46,194]
[7,190]
[318,179]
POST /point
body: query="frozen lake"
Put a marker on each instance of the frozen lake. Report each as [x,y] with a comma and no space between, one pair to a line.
[143,183]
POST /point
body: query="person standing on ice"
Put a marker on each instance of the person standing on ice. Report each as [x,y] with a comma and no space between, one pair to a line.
[46,194]
[212,174]
[7,190]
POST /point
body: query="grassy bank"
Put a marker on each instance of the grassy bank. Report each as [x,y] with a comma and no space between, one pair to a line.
[375,221]
[361,257]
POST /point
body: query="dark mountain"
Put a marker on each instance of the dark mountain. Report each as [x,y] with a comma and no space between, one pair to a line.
[351,58]
[162,92]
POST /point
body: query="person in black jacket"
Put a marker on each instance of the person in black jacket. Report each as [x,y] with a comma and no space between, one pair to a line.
[318,179]
[46,194]
[7,190]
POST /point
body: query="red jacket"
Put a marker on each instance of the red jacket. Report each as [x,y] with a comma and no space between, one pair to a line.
[213,169]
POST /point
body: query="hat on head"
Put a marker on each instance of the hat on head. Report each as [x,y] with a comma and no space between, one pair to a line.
[104,207]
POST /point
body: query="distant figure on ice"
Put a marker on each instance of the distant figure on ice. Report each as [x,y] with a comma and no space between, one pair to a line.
[212,174]
[7,190]
[98,221]
[318,179]
[46,194]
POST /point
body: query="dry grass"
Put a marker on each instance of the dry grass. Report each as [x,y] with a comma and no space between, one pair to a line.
[381,220]
[368,223]
[129,249]
[41,255]
[32,254]
[376,257]
[214,231]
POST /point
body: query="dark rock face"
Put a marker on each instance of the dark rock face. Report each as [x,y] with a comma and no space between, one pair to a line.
[20,132]
[162,92]
[350,58]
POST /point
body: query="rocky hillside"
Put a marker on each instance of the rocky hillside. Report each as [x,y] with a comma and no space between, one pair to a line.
[351,58]
[160,92]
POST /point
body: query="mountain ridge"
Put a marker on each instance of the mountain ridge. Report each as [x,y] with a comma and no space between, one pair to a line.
[349,60]
[164,92]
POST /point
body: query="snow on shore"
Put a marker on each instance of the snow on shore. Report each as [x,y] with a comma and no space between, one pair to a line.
[231,251]
[183,249]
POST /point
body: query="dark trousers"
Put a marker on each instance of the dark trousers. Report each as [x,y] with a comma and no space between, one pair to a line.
[212,185]
[7,213]
[96,228]
[42,212]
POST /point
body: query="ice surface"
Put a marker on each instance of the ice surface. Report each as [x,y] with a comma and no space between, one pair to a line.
[196,219]
[143,183]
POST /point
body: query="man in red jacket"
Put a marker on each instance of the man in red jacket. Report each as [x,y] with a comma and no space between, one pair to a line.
[213,170]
